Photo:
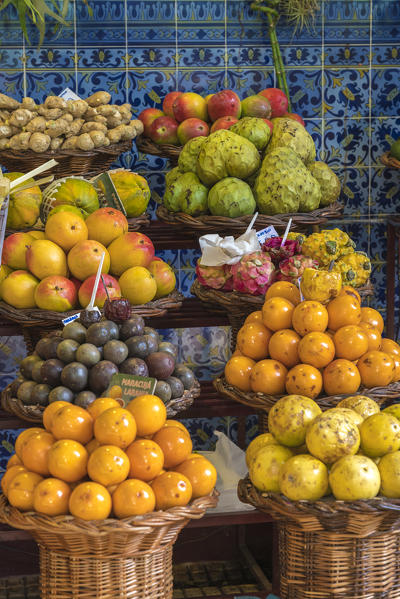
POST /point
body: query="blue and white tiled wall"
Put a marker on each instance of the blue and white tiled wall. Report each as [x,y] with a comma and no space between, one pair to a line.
[343,74]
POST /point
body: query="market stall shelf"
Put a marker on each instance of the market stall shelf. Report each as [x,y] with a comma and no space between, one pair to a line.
[109,558]
[332,548]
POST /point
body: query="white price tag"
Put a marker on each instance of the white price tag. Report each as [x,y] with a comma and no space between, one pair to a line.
[68,94]
[266,233]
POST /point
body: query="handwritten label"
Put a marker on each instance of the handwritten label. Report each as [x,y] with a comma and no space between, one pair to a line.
[105,184]
[266,233]
[68,94]
[125,387]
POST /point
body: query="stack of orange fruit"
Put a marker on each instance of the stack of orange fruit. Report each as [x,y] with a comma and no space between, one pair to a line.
[307,348]
[106,460]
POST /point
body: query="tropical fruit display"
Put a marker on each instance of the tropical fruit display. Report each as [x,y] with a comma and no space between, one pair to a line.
[76,364]
[351,451]
[58,124]
[310,348]
[56,269]
[106,461]
[325,260]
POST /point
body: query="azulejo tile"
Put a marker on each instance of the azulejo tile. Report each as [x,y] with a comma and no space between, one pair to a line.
[347,55]
[145,163]
[355,189]
[102,11]
[383,133]
[346,142]
[305,91]
[201,57]
[385,21]
[346,92]
[301,55]
[44,83]
[378,279]
[108,35]
[347,21]
[201,11]
[313,127]
[7,442]
[189,258]
[186,280]
[378,238]
[202,431]
[172,257]
[244,82]
[384,191]
[115,82]
[152,57]
[11,58]
[385,92]
[50,58]
[147,88]
[206,348]
[12,83]
[385,55]
[250,56]
[103,58]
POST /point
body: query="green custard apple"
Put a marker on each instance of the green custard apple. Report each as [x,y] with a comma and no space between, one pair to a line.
[186,194]
[328,182]
[231,197]
[288,133]
[187,160]
[254,129]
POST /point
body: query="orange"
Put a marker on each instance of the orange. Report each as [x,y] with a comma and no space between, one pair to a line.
[115,392]
[284,289]
[23,437]
[390,347]
[283,346]
[90,501]
[170,422]
[194,456]
[115,426]
[108,465]
[373,317]
[309,316]
[149,413]
[51,497]
[101,404]
[171,489]
[237,372]
[254,317]
[35,452]
[92,445]
[277,313]
[373,334]
[351,342]
[146,459]
[316,349]
[14,461]
[133,498]
[9,475]
[268,376]
[175,445]
[237,352]
[72,422]
[348,290]
[49,412]
[253,339]
[376,369]
[341,377]
[67,460]
[343,310]
[21,488]
[396,371]
[304,379]
[201,473]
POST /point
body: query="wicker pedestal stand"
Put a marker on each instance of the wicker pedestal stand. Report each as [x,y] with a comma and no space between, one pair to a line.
[109,559]
[334,549]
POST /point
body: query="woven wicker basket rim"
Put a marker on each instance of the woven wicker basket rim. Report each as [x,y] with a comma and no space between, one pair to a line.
[389,160]
[221,223]
[34,413]
[145,145]
[71,525]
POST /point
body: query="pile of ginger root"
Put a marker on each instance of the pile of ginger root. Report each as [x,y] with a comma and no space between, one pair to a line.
[58,124]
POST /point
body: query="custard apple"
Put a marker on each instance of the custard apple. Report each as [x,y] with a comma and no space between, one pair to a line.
[288,133]
[328,181]
[187,194]
[172,176]
[225,154]
[231,197]
[285,185]
[188,157]
[253,129]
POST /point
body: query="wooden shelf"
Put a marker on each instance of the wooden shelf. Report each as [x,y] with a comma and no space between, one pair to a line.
[171,237]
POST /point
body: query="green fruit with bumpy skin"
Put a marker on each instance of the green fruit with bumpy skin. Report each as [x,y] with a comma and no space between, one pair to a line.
[187,160]
[354,478]
[303,477]
[290,417]
[231,197]
[172,176]
[187,194]
[328,182]
[288,133]
[253,129]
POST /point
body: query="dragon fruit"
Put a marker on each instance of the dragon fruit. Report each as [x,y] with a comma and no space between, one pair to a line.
[216,277]
[253,274]
[278,252]
[292,268]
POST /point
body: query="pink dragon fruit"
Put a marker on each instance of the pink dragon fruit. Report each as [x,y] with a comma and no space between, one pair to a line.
[216,277]
[278,252]
[292,268]
[253,274]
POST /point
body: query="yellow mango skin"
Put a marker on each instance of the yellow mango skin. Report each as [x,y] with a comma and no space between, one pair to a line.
[320,285]
[133,191]
[24,205]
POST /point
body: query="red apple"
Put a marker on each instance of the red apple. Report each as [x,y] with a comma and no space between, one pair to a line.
[147,116]
[295,117]
[86,289]
[168,103]
[190,105]
[192,128]
[224,122]
[256,106]
[56,293]
[224,103]
[164,130]
[277,99]
[269,123]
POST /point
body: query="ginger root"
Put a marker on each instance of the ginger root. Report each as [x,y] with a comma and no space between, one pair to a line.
[20,141]
[37,124]
[77,108]
[50,114]
[98,137]
[57,127]
[85,142]
[8,103]
[56,143]
[5,131]
[39,142]
[70,143]
[93,126]
[75,127]
[29,104]
[20,117]
[55,102]
[98,99]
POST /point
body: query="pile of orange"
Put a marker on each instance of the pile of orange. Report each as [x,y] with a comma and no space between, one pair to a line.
[106,460]
[307,348]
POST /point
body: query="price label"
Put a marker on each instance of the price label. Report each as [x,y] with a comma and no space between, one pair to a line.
[266,233]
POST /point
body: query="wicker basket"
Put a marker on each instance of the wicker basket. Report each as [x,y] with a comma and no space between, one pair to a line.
[218,224]
[334,549]
[389,160]
[34,317]
[12,405]
[261,401]
[146,146]
[70,162]
[109,559]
